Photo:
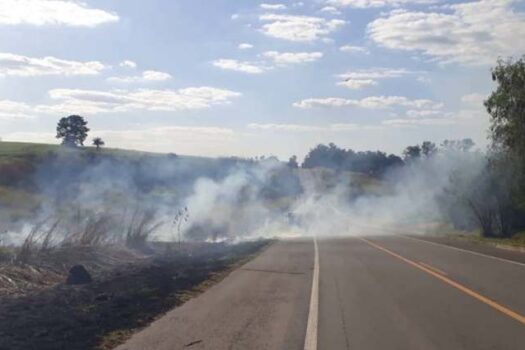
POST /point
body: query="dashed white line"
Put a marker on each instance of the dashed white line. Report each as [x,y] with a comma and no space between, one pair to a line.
[310,342]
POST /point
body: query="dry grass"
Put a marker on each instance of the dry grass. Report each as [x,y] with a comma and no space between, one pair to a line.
[142,224]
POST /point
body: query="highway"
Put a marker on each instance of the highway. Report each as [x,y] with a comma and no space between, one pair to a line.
[377,292]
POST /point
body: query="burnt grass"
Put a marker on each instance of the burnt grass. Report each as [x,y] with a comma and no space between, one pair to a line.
[106,312]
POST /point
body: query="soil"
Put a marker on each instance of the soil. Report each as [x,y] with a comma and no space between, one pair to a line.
[104,313]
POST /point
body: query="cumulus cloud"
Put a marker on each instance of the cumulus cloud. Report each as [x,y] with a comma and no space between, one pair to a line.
[419,122]
[240,66]
[369,77]
[91,102]
[15,110]
[144,99]
[470,33]
[245,46]
[284,58]
[354,49]
[341,127]
[378,3]
[24,66]
[128,64]
[372,102]
[298,28]
[147,76]
[331,10]
[53,12]
[273,7]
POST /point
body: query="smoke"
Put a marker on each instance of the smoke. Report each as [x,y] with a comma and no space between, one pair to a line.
[234,199]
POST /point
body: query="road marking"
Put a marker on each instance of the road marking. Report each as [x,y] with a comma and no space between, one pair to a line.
[470,292]
[435,269]
[399,234]
[310,341]
[463,250]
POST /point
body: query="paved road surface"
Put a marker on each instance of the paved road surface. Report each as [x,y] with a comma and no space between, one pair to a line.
[374,293]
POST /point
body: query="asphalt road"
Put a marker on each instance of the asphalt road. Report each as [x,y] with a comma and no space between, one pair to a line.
[374,293]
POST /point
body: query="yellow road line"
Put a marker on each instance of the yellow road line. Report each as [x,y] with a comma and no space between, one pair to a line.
[470,292]
[435,269]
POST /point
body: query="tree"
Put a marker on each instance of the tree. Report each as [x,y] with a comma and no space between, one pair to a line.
[412,153]
[72,130]
[98,142]
[292,162]
[506,106]
[428,148]
[464,145]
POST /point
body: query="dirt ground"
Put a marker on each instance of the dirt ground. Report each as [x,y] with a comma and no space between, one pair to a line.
[118,302]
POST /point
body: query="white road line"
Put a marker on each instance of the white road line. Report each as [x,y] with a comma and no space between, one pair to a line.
[310,341]
[464,250]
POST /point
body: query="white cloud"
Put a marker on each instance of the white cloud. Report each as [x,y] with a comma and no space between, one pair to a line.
[152,75]
[53,12]
[273,7]
[128,64]
[240,66]
[354,49]
[284,127]
[89,102]
[298,28]
[419,122]
[331,10]
[475,100]
[18,65]
[372,102]
[426,113]
[357,84]
[245,46]
[369,77]
[340,127]
[144,99]
[147,76]
[15,110]
[467,33]
[378,3]
[284,58]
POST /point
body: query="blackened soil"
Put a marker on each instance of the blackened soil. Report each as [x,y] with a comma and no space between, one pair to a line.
[106,312]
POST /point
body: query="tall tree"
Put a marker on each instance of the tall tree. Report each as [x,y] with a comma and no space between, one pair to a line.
[506,106]
[292,162]
[428,148]
[72,130]
[412,153]
[98,142]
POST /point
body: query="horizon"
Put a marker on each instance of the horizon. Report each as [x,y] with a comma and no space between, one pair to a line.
[254,78]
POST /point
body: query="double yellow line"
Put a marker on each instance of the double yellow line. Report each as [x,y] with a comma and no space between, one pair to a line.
[441,276]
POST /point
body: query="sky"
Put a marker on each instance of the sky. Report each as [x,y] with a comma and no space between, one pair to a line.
[250,78]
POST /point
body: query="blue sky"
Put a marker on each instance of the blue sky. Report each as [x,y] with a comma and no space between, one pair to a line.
[247,78]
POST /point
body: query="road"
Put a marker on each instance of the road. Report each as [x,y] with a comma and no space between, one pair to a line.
[390,292]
